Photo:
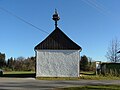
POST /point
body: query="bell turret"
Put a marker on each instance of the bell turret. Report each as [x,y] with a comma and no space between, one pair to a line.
[56,18]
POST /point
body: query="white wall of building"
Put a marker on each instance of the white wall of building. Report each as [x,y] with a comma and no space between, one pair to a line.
[57,63]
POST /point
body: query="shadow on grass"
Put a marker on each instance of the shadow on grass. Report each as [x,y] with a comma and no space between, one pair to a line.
[29,75]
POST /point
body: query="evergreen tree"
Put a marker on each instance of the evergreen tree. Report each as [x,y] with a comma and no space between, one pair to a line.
[84,63]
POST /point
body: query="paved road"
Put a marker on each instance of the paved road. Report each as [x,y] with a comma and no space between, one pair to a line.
[32,84]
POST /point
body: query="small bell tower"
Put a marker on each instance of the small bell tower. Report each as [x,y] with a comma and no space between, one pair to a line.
[56,18]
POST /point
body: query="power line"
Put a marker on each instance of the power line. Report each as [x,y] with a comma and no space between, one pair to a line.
[23,20]
[98,6]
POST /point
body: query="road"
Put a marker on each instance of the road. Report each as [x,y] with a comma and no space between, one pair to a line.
[32,84]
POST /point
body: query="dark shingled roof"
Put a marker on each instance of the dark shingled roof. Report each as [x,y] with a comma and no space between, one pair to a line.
[57,40]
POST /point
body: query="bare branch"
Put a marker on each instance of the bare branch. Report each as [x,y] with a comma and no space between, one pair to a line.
[112,54]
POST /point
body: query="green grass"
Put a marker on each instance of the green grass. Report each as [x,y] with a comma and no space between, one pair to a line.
[100,77]
[87,73]
[58,78]
[83,75]
[93,76]
[100,87]
[19,72]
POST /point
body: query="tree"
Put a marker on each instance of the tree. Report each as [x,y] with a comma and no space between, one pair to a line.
[11,63]
[2,60]
[112,54]
[84,63]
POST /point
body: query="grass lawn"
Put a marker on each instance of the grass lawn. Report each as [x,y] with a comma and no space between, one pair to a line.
[58,78]
[83,75]
[93,76]
[19,74]
[80,78]
[87,73]
[103,87]
[99,77]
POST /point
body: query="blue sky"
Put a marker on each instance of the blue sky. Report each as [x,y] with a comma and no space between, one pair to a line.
[90,23]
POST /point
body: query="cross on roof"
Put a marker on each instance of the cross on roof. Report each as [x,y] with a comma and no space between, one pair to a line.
[56,18]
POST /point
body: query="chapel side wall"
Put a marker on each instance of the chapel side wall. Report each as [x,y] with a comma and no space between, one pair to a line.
[57,63]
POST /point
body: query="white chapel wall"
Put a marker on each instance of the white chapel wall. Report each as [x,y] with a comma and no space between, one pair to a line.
[57,63]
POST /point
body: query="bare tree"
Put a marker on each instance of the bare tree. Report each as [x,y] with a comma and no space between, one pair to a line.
[112,53]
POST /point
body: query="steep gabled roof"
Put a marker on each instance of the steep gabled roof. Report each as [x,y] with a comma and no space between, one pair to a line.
[57,40]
